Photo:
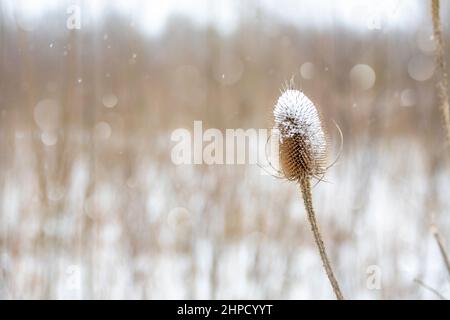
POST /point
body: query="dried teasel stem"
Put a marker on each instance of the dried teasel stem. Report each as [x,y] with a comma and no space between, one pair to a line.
[442,84]
[303,152]
[305,186]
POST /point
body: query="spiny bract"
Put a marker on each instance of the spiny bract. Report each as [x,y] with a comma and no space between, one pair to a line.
[303,145]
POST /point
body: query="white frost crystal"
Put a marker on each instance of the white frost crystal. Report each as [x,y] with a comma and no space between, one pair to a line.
[296,114]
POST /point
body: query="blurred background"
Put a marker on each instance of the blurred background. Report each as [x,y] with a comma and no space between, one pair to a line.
[91,205]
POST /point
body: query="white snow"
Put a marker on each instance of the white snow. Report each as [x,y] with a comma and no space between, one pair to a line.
[296,114]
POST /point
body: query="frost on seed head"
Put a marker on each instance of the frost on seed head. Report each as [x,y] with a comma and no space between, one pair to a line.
[303,145]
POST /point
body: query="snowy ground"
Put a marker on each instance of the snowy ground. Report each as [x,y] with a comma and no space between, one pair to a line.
[145,228]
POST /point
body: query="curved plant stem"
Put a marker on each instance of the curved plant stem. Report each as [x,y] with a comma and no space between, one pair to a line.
[442,83]
[425,286]
[305,186]
[440,243]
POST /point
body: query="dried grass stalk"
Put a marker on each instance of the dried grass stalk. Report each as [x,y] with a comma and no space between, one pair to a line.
[442,83]
[441,246]
[429,288]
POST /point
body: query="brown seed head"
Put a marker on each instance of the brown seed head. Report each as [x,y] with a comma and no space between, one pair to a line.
[303,144]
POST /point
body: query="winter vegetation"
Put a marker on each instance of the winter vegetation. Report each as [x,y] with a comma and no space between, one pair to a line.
[92,205]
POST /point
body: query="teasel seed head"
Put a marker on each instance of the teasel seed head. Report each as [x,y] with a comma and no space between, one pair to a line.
[303,142]
[303,155]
